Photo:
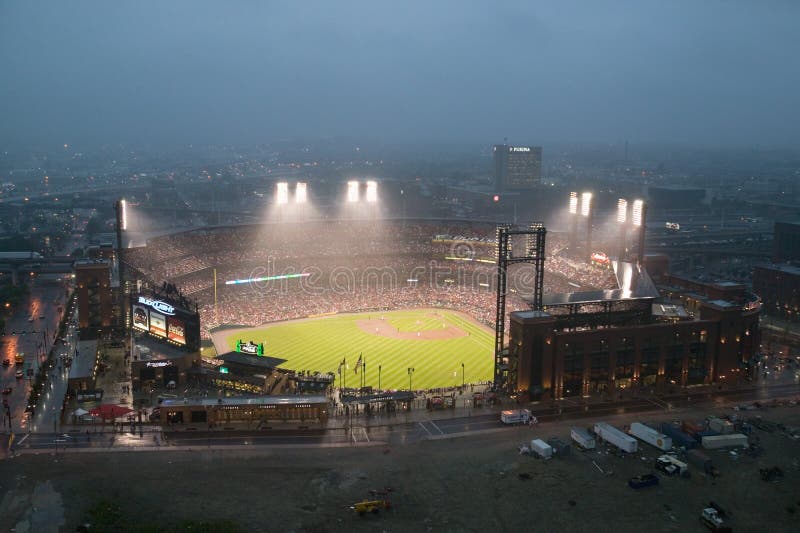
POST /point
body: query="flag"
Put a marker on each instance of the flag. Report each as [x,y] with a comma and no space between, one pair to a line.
[358,364]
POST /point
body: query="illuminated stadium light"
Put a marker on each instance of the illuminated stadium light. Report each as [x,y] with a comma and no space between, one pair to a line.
[372,192]
[124,215]
[267,278]
[586,203]
[352,192]
[282,193]
[573,203]
[300,193]
[622,210]
[636,217]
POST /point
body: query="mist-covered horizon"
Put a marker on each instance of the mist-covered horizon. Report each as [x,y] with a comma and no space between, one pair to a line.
[94,73]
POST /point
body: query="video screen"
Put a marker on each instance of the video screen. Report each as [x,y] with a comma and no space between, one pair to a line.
[158,326]
[140,318]
[176,330]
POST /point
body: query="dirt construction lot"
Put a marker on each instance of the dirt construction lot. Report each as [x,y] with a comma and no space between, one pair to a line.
[466,484]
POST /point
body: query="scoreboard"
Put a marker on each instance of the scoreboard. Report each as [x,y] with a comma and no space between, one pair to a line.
[162,319]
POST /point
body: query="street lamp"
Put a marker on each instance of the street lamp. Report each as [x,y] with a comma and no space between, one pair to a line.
[410,373]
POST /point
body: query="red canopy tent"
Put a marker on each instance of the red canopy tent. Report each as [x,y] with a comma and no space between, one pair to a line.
[110,411]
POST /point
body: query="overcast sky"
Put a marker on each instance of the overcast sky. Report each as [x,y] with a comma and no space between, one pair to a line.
[168,71]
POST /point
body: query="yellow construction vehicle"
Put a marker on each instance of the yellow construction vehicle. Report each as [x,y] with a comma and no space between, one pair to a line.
[371,506]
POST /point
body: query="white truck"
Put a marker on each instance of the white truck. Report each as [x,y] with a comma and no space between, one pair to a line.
[671,465]
[541,448]
[517,416]
[613,436]
[582,438]
[651,436]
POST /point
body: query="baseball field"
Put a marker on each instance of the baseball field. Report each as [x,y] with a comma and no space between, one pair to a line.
[434,342]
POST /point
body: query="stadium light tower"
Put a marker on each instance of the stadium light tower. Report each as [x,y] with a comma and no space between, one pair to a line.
[573,220]
[352,192]
[300,193]
[282,193]
[622,219]
[573,203]
[586,211]
[639,219]
[123,206]
[372,192]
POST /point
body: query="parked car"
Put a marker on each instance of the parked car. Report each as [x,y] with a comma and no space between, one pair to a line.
[19,374]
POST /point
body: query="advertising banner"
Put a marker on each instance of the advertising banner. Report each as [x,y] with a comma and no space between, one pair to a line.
[176,330]
[140,318]
[158,326]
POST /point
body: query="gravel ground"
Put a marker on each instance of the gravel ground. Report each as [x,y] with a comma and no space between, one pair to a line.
[466,484]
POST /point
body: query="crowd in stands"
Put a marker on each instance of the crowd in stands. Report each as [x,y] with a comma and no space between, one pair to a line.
[351,266]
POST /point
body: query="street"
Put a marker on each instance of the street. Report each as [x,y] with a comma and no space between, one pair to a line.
[30,331]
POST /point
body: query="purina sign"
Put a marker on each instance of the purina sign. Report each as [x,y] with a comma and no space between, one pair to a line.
[158,305]
[250,347]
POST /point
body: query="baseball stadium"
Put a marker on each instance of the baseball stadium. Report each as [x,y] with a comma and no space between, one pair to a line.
[385,304]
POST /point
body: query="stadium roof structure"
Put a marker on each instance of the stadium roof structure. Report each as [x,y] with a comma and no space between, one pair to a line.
[245,401]
[632,280]
[258,361]
[397,396]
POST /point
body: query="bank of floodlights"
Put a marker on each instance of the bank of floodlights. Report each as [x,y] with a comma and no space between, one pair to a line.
[352,192]
[586,204]
[573,203]
[300,193]
[372,192]
[282,193]
[123,214]
[638,208]
[622,210]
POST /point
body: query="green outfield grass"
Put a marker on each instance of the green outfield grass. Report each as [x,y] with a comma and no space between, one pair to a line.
[321,344]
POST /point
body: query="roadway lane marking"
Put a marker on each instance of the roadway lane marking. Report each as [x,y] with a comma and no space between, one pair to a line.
[23,439]
[426,429]
[658,403]
[432,423]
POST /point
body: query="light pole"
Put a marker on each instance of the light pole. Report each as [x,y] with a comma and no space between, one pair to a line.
[379,377]
[462,376]
[410,373]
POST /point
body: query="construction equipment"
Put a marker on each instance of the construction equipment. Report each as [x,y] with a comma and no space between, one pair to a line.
[712,520]
[370,506]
